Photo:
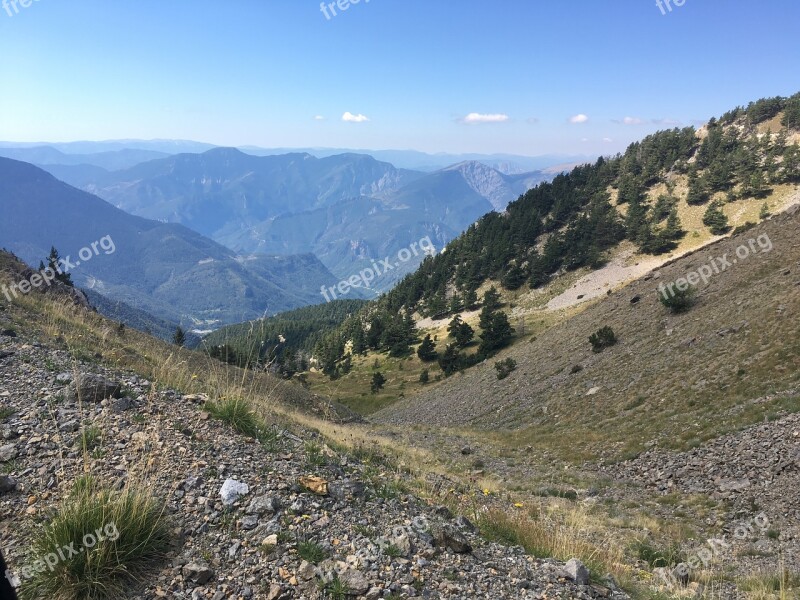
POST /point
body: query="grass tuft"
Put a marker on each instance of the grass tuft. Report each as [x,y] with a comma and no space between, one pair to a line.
[120,537]
[311,552]
[238,414]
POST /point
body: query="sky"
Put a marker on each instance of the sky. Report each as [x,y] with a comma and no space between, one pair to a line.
[524,77]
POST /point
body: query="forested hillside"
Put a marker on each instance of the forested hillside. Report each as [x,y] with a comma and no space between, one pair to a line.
[283,342]
[578,218]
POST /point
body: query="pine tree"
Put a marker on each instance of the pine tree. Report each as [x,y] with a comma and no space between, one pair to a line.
[453,325]
[470,298]
[464,334]
[538,276]
[497,335]
[791,114]
[791,163]
[427,350]
[378,381]
[715,219]
[455,303]
[674,230]
[491,302]
[53,260]
[514,277]
[359,341]
[451,360]
[697,192]
[179,337]
[424,376]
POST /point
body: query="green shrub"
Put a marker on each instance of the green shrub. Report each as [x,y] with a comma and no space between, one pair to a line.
[505,367]
[336,589]
[129,538]
[678,301]
[424,376]
[603,338]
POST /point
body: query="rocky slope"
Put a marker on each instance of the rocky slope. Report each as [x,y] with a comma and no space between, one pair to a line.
[242,513]
[691,372]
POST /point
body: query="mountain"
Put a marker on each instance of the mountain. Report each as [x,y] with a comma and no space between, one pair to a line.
[224,192]
[110,160]
[509,164]
[87,147]
[164,269]
[136,318]
[672,192]
[346,209]
[672,377]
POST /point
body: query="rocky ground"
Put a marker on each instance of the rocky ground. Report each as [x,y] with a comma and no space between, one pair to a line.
[754,474]
[283,520]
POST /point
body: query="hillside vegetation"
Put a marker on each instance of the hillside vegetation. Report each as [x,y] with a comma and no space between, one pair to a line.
[667,195]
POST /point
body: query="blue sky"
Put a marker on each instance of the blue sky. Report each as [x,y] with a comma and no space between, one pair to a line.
[259,71]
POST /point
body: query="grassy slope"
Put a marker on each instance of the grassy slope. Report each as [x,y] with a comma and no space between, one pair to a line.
[526,307]
[673,379]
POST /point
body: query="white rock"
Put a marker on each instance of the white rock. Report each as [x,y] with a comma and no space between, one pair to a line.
[232,490]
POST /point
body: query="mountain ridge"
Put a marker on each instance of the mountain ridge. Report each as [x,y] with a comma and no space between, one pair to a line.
[154,266]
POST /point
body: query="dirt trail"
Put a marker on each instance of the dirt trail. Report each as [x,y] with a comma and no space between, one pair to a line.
[617,273]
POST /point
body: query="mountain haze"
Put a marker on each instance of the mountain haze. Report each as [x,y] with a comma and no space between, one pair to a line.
[165,269]
[346,209]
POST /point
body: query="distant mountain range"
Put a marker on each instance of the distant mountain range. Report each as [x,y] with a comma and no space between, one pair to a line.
[403,159]
[111,160]
[167,270]
[346,209]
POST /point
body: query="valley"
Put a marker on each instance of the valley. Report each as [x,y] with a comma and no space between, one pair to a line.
[421,302]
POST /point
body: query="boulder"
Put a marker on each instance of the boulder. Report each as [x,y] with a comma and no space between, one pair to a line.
[8,452]
[577,571]
[262,505]
[447,536]
[7,484]
[355,582]
[347,490]
[93,388]
[198,572]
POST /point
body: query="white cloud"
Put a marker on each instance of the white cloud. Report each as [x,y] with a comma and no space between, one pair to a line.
[351,118]
[579,119]
[533,121]
[606,139]
[473,118]
[629,121]
[319,118]
[666,122]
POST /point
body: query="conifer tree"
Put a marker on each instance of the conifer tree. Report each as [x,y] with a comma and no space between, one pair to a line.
[427,350]
[53,262]
[715,219]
